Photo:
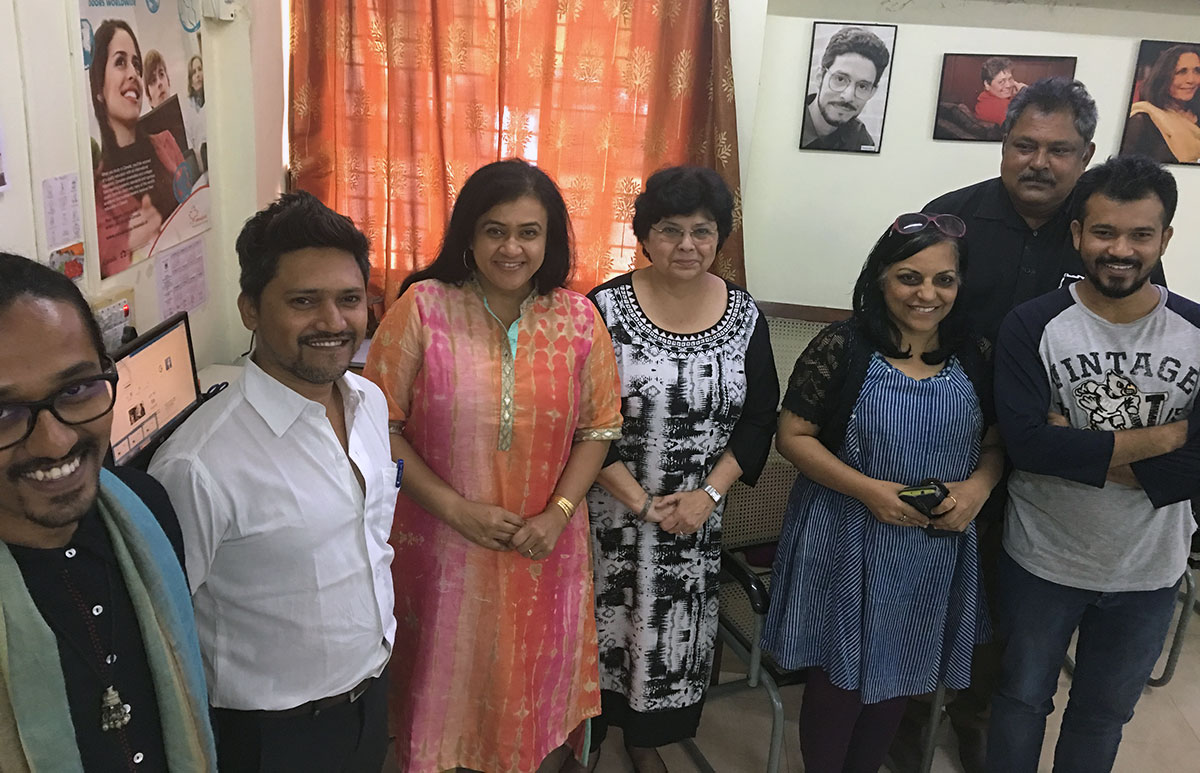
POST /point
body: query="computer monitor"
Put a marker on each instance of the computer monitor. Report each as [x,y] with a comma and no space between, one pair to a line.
[157,389]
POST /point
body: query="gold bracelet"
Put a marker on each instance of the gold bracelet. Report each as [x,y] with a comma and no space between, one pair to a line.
[564,504]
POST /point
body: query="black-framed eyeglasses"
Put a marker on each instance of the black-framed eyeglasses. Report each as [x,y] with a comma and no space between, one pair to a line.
[82,400]
[701,234]
[912,222]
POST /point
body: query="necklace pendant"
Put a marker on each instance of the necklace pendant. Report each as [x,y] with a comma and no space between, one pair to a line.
[113,713]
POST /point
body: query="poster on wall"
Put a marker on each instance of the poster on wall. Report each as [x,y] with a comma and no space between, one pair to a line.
[143,81]
[975,90]
[848,76]
[1164,103]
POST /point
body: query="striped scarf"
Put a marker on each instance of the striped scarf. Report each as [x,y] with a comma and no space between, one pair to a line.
[35,718]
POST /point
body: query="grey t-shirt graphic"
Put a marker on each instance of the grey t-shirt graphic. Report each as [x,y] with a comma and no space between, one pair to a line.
[1066,523]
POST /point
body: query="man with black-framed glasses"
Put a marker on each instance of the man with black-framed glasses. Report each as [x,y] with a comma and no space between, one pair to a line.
[100,642]
[851,66]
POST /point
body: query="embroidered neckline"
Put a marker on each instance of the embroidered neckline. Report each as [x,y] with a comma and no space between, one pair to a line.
[724,329]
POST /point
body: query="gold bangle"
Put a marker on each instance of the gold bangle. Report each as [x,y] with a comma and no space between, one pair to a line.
[564,504]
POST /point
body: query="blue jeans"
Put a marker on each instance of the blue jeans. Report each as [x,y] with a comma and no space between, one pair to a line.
[1120,637]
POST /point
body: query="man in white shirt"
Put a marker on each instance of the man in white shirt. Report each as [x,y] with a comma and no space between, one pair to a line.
[285,488]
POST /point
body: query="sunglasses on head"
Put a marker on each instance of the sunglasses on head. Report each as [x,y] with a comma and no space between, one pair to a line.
[913,222]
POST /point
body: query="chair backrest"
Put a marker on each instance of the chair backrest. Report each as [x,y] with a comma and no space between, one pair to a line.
[754,516]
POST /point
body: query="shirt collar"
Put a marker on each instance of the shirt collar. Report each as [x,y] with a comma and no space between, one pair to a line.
[280,405]
[996,204]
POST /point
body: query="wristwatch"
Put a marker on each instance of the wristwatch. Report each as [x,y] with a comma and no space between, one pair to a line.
[712,492]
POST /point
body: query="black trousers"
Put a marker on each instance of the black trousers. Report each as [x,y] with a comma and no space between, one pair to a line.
[349,737]
[971,707]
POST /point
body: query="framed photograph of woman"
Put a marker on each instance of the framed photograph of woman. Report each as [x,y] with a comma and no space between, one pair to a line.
[1164,103]
[975,90]
[848,77]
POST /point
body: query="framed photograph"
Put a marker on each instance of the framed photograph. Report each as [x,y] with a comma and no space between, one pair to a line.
[975,90]
[848,76]
[1164,103]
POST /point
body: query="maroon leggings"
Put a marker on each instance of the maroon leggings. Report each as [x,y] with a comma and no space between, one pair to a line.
[840,734]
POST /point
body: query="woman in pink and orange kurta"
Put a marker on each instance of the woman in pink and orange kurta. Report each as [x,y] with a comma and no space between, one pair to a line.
[503,396]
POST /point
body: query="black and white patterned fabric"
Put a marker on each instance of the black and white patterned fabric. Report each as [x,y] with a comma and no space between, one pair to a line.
[685,400]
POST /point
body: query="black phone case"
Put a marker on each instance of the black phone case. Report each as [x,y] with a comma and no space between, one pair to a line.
[925,496]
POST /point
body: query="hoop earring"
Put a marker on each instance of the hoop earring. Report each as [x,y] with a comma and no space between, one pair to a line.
[466,265]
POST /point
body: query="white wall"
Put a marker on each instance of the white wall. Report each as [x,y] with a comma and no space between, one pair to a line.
[811,217]
[747,22]
[40,117]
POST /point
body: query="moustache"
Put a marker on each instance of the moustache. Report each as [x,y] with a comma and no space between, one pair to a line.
[844,106]
[1036,177]
[1119,262]
[82,448]
[347,337]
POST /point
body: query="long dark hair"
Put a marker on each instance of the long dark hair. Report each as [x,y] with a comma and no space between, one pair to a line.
[870,309]
[99,68]
[1157,90]
[499,183]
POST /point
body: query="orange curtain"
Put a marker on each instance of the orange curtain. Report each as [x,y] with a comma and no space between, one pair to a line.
[393,103]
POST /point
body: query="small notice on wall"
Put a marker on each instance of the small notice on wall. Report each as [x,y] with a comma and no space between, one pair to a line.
[180,271]
[60,203]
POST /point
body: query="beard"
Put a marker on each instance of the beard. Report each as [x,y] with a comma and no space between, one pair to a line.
[1118,289]
[60,510]
[853,111]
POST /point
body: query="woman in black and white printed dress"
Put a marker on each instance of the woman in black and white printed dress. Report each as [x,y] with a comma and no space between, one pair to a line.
[699,396]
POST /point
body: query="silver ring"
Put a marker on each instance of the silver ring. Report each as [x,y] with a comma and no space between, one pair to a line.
[904,518]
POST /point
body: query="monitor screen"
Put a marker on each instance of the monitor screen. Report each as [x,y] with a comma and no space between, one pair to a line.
[156,388]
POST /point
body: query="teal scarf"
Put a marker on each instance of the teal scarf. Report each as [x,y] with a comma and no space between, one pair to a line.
[36,732]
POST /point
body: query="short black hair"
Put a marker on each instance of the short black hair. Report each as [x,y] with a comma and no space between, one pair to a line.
[870,308]
[491,185]
[21,277]
[292,222]
[682,190]
[856,40]
[993,66]
[1125,179]
[1052,95]
[1157,88]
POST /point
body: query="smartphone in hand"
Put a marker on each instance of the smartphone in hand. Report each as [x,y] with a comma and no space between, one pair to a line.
[925,496]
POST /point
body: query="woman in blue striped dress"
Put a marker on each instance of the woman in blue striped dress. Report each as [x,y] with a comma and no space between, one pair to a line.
[877,608]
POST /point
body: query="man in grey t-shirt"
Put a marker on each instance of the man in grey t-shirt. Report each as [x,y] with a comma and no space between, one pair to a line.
[1095,391]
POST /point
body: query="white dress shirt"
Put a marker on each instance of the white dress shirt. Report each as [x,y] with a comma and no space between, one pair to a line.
[287,557]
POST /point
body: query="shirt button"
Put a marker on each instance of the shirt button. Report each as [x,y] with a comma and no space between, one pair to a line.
[110,659]
[1026,270]
[97,610]
[137,758]
[70,553]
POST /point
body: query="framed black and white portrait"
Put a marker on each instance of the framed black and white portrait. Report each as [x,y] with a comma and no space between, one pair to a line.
[848,77]
[975,90]
[1164,103]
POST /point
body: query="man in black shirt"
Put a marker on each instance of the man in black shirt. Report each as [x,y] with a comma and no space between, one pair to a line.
[1019,246]
[100,644]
